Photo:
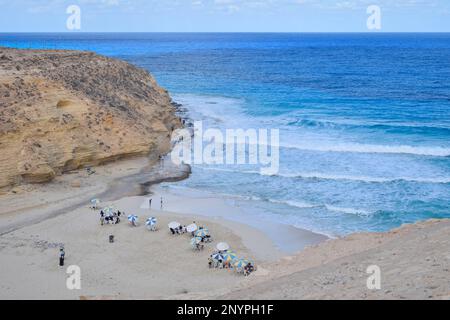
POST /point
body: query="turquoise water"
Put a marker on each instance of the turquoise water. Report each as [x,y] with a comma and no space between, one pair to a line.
[364,118]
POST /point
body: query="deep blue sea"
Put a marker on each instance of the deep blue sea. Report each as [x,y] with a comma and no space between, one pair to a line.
[364,118]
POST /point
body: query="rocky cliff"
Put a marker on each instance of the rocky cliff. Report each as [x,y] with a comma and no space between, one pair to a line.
[62,110]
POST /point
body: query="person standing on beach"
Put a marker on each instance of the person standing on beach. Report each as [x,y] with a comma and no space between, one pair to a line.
[161,203]
[102,217]
[62,255]
[150,203]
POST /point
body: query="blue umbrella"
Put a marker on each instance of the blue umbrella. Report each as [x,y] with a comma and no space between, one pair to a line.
[195,241]
[229,256]
[151,221]
[218,257]
[241,263]
[202,233]
[132,218]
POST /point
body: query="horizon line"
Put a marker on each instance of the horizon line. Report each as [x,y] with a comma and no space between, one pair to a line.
[223,32]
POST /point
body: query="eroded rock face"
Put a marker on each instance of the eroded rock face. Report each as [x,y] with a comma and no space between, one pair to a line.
[62,110]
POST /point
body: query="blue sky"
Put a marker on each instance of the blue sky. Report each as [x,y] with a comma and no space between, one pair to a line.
[225,15]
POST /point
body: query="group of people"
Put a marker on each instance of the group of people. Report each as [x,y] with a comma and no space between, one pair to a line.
[110,218]
[218,264]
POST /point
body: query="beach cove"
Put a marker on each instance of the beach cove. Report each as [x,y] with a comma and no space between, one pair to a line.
[66,144]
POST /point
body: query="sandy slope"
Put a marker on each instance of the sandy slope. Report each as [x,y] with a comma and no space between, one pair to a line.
[414,262]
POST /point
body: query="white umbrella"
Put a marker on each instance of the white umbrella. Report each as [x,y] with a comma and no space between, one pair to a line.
[223,246]
[95,202]
[174,225]
[191,228]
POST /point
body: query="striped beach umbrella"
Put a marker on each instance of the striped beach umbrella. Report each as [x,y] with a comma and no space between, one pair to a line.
[132,218]
[195,241]
[241,263]
[229,256]
[202,233]
[218,257]
[151,221]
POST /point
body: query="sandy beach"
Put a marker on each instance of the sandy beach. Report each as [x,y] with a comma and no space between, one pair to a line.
[140,264]
[157,265]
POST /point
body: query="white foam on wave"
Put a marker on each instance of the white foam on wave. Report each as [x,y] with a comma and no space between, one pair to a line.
[321,176]
[290,203]
[348,210]
[363,178]
[222,111]
[305,205]
[370,148]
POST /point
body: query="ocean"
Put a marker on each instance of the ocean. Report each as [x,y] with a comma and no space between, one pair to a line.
[364,119]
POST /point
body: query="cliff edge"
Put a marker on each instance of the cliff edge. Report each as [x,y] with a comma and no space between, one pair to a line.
[62,110]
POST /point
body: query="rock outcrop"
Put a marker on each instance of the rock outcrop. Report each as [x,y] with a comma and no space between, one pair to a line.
[62,110]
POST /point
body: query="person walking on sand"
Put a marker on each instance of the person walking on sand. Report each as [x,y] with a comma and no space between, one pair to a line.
[161,203]
[150,203]
[62,255]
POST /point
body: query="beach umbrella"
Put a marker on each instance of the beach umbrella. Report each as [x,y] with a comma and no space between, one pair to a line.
[174,225]
[151,221]
[109,210]
[223,246]
[132,218]
[195,241]
[241,263]
[229,256]
[218,257]
[95,202]
[202,233]
[191,228]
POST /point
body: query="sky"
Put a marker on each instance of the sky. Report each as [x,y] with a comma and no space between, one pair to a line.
[225,15]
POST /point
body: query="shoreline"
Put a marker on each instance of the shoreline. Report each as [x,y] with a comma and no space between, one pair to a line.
[287,239]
